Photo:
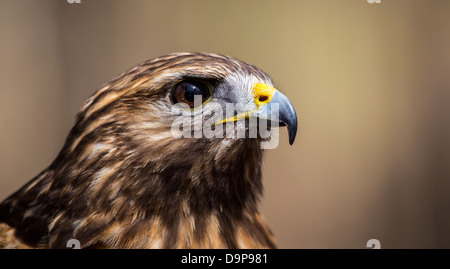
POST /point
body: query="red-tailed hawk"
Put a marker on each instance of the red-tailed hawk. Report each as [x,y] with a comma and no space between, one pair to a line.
[127,178]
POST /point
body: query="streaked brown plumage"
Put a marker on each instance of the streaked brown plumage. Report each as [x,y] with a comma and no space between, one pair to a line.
[123,181]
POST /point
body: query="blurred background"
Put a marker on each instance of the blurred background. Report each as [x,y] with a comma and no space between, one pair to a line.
[370,82]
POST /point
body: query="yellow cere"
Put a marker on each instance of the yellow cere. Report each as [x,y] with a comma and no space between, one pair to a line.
[263,94]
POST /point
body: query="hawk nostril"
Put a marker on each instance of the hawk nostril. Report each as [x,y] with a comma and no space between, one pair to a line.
[263,98]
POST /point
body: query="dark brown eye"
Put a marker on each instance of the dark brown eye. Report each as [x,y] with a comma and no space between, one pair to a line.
[185,92]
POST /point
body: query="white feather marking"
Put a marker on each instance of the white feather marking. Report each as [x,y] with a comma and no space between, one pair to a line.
[100,176]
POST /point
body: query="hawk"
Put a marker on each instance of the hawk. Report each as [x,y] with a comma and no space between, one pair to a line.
[126,178]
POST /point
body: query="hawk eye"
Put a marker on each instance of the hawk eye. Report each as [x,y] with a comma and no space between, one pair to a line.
[186,90]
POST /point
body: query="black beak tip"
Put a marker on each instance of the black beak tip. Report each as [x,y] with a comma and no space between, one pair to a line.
[288,118]
[291,140]
[287,115]
[291,128]
[292,131]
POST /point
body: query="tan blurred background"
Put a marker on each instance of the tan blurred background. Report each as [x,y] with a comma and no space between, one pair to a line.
[371,84]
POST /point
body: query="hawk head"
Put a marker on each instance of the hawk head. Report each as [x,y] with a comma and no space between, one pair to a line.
[168,155]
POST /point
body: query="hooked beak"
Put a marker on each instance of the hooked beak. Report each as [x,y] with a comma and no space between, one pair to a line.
[267,99]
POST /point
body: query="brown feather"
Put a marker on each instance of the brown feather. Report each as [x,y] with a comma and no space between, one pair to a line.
[121,181]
